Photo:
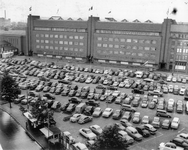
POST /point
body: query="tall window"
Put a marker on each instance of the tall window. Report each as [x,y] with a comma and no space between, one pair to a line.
[128,40]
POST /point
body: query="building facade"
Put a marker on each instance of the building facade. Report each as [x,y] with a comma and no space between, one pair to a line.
[162,46]
[15,39]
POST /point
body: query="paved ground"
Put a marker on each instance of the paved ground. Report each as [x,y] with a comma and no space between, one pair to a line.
[147,144]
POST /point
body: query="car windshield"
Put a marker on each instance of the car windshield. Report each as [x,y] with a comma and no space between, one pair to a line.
[88,131]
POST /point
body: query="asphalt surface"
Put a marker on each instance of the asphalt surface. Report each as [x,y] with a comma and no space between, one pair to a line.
[148,143]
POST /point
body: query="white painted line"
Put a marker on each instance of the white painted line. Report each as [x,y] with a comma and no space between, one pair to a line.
[37,144]
[181,130]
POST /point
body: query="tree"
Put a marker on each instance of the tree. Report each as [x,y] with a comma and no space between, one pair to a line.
[109,140]
[9,88]
[41,111]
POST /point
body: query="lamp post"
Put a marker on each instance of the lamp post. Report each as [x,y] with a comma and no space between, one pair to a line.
[27,97]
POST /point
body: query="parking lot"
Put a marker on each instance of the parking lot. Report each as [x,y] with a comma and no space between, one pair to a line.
[149,143]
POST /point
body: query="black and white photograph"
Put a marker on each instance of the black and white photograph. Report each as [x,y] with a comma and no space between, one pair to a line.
[93,74]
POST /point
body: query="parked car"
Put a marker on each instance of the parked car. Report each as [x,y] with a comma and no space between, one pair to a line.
[184,136]
[134,133]
[136,117]
[166,124]
[180,142]
[96,129]
[75,117]
[97,112]
[141,130]
[125,137]
[169,146]
[152,105]
[150,128]
[87,133]
[93,103]
[107,112]
[127,115]
[156,122]
[117,114]
[155,92]
[125,123]
[84,119]
[175,123]
[162,113]
[145,120]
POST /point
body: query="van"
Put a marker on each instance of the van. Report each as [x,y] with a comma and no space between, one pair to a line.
[162,113]
[80,108]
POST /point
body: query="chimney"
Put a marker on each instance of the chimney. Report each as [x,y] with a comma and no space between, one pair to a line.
[5,13]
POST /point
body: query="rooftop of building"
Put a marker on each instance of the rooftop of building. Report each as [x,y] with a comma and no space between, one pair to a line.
[13,32]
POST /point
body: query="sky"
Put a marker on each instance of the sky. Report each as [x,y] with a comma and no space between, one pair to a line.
[154,10]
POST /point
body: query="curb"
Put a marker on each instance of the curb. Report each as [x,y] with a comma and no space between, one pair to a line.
[26,131]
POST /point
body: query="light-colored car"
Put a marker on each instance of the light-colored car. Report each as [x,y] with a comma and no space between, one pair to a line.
[136,117]
[171,101]
[156,122]
[87,133]
[169,146]
[170,88]
[116,93]
[174,79]
[182,90]
[75,117]
[80,146]
[97,112]
[96,129]
[169,79]
[175,123]
[145,120]
[134,133]
[107,112]
[124,136]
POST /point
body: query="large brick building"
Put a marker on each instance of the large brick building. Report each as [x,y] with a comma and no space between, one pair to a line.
[156,45]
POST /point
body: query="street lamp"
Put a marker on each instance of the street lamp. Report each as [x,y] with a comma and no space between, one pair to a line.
[27,97]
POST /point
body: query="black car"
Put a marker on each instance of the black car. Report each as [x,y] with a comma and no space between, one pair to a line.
[88,111]
[92,103]
[137,91]
[75,100]
[70,108]
[180,142]
[84,95]
[65,92]
[49,96]
[143,131]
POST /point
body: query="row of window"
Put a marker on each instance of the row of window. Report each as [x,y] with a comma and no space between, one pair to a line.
[58,53]
[60,36]
[126,53]
[126,47]
[180,43]
[60,42]
[126,32]
[146,41]
[179,50]
[181,57]
[59,48]
[179,35]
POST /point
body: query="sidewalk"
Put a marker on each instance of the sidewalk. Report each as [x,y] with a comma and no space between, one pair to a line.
[17,115]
